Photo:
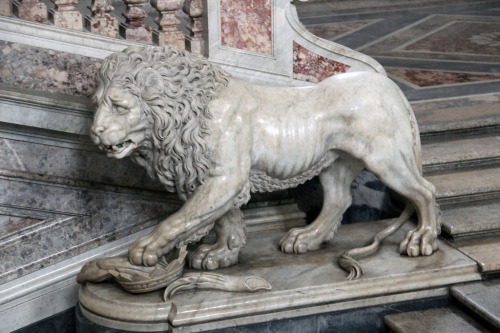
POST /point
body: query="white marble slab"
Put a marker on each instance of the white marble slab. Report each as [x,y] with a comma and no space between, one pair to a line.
[300,282]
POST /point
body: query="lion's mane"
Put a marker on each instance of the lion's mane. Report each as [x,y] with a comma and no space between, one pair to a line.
[174,89]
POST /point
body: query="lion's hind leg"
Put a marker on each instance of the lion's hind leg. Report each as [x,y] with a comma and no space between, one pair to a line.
[230,231]
[336,182]
[401,173]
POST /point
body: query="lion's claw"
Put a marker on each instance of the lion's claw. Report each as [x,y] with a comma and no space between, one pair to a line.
[213,256]
[300,241]
[146,250]
[419,243]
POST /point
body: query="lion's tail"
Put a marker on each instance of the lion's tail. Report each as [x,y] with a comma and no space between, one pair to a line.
[349,264]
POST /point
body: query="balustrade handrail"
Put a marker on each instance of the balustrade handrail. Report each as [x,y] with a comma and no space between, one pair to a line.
[102,20]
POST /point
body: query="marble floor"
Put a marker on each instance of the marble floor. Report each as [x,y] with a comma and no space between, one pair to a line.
[430,48]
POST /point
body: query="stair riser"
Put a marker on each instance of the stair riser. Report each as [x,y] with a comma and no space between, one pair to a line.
[432,135]
[458,165]
[466,198]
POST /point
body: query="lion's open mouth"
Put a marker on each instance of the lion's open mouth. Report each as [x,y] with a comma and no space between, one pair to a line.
[119,148]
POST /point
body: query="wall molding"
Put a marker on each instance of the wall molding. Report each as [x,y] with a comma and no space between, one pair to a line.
[50,37]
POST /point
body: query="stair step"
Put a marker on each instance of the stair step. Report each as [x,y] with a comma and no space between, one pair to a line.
[484,250]
[471,220]
[482,298]
[460,153]
[466,185]
[449,117]
[443,320]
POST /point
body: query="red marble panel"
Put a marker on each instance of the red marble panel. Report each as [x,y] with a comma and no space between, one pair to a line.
[309,66]
[247,25]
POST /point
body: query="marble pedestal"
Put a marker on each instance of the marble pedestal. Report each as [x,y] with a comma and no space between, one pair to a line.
[305,284]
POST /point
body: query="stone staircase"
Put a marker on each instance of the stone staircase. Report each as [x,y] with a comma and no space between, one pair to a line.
[474,308]
[461,157]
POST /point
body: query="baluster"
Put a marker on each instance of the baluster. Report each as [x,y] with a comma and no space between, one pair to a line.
[169,33]
[5,7]
[65,15]
[101,21]
[194,42]
[31,10]
[134,28]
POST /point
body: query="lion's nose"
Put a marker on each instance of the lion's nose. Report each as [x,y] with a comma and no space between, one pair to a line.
[97,130]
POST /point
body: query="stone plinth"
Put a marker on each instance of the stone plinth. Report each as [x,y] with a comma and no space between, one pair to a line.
[101,21]
[6,8]
[303,284]
[31,10]
[66,15]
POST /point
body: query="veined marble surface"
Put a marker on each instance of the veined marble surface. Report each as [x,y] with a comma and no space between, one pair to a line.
[309,66]
[48,70]
[298,281]
[247,25]
[78,216]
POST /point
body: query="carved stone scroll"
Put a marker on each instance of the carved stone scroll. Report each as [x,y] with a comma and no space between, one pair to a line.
[194,42]
[31,10]
[101,22]
[6,8]
[169,33]
[66,15]
[134,28]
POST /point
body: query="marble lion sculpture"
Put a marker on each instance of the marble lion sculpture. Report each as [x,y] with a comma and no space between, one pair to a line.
[214,139]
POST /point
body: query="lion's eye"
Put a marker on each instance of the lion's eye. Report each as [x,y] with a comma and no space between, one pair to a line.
[120,109]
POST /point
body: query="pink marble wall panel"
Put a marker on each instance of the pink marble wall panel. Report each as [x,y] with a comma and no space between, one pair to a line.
[309,66]
[247,25]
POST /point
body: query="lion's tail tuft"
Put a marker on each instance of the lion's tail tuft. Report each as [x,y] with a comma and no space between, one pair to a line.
[350,265]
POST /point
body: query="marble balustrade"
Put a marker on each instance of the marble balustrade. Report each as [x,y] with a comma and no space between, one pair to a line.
[128,19]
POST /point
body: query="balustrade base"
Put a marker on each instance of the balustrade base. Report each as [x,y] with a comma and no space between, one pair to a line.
[195,45]
[136,34]
[105,25]
[34,12]
[68,20]
[174,39]
[5,8]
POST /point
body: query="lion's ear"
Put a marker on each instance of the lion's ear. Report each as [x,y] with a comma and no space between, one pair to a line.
[97,95]
[153,82]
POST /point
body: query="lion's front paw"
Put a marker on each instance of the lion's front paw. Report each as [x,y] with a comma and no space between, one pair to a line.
[419,242]
[213,256]
[301,240]
[146,250]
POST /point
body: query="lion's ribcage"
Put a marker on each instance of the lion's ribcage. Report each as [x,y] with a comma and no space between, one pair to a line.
[260,181]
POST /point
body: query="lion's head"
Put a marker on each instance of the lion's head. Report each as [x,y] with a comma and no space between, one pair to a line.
[152,105]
